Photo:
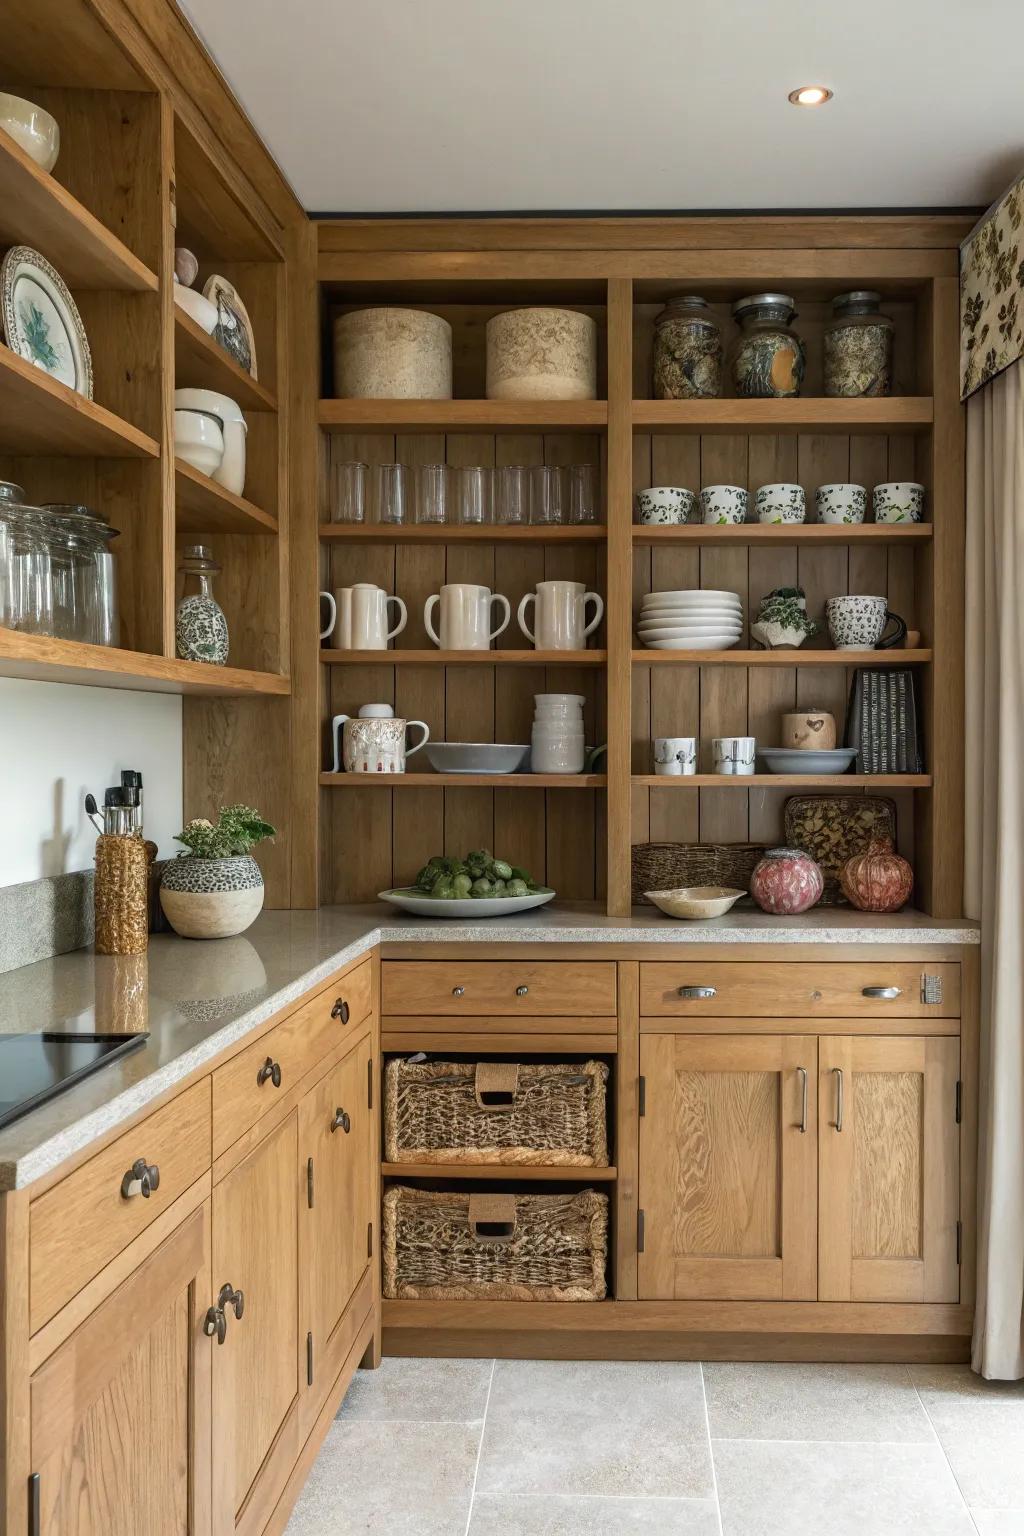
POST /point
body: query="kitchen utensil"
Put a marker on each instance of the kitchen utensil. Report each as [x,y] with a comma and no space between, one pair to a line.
[375,741]
[666,506]
[476,756]
[805,728]
[41,322]
[694,595]
[473,493]
[714,641]
[409,899]
[733,756]
[560,615]
[432,493]
[807,760]
[724,504]
[696,902]
[198,440]
[675,755]
[390,493]
[30,126]
[898,501]
[841,503]
[832,828]
[780,503]
[557,736]
[583,493]
[230,472]
[858,623]
[348,501]
[512,494]
[548,502]
[359,617]
[465,616]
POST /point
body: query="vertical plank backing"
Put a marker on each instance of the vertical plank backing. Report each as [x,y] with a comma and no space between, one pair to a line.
[723,690]
[770,690]
[620,565]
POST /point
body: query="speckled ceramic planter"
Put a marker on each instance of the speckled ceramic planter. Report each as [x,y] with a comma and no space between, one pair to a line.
[724,504]
[211,898]
[541,354]
[898,501]
[392,354]
[780,503]
[666,505]
[841,503]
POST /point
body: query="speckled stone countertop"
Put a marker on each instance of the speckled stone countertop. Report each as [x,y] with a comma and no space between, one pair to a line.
[196,999]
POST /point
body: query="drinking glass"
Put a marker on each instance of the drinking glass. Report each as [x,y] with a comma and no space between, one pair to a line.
[391,502]
[512,494]
[548,494]
[432,493]
[583,493]
[348,503]
[473,488]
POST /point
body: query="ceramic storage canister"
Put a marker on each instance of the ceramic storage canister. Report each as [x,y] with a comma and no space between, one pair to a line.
[687,351]
[392,354]
[768,355]
[200,628]
[858,346]
[541,354]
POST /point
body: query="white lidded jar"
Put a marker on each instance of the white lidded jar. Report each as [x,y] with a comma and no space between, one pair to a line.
[392,354]
[556,743]
[541,354]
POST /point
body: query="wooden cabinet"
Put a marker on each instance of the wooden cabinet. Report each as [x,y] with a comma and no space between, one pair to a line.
[728,1175]
[889,1169]
[819,989]
[506,987]
[120,1412]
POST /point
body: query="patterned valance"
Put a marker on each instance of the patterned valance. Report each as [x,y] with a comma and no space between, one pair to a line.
[992,292]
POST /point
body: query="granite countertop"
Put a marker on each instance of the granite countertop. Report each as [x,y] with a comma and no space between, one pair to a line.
[197,999]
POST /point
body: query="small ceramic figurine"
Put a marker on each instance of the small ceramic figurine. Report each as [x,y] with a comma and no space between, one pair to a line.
[782,623]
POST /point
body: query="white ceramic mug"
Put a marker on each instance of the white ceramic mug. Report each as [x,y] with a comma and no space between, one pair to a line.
[734,754]
[359,617]
[374,742]
[465,617]
[857,623]
[560,616]
[675,755]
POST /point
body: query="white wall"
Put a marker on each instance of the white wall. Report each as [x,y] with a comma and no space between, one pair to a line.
[58,742]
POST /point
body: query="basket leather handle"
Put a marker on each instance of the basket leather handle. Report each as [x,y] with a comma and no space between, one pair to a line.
[492,1218]
[497,1083]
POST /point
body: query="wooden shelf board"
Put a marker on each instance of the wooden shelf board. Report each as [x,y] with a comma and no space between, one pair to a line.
[897,413]
[45,659]
[463,780]
[797,658]
[203,506]
[410,658]
[453,533]
[36,210]
[464,415]
[512,1171]
[38,415]
[200,363]
[790,533]
[785,781]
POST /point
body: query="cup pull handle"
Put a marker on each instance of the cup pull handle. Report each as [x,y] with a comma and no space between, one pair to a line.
[699,994]
[886,993]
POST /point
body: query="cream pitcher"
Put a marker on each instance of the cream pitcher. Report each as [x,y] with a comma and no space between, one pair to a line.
[465,616]
[374,742]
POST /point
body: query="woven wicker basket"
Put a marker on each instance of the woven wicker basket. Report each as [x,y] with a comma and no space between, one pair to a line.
[496,1112]
[666,866]
[448,1246]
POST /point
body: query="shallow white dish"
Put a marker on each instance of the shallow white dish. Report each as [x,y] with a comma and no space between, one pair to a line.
[697,643]
[700,593]
[476,756]
[408,899]
[720,619]
[807,760]
[691,610]
[685,635]
[696,901]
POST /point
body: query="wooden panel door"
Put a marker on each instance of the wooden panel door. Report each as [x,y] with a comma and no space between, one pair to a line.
[120,1413]
[888,1169]
[336,1149]
[728,1175]
[256,1369]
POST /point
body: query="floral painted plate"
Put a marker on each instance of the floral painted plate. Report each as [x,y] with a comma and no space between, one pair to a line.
[41,320]
[233,330]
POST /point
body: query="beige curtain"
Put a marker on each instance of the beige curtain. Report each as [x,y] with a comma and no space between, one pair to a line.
[994,875]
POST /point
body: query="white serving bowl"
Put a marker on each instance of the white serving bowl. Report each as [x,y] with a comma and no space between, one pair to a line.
[198,440]
[197,307]
[475,756]
[33,129]
[696,901]
[409,899]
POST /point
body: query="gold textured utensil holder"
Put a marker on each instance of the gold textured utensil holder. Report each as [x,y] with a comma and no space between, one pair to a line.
[122,911]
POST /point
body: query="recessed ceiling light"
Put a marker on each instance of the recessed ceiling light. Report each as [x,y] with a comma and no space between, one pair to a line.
[810,95]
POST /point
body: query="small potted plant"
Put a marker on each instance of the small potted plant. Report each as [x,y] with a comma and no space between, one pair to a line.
[216,888]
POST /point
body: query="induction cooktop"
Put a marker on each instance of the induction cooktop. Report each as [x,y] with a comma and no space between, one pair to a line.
[37,1067]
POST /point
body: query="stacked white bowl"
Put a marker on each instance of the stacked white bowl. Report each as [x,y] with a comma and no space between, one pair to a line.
[690,620]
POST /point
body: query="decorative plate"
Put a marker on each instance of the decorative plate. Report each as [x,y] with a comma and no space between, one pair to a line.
[832,828]
[41,320]
[411,900]
[233,330]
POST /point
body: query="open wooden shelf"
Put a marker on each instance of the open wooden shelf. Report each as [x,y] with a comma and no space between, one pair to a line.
[464,415]
[784,533]
[45,659]
[463,780]
[515,1172]
[455,533]
[463,658]
[36,210]
[203,506]
[897,413]
[200,363]
[797,658]
[784,781]
[38,415]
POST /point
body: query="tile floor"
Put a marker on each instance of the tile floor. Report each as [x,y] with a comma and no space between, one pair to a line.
[556,1448]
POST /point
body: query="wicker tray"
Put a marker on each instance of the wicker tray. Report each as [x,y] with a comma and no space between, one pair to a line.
[448,1246]
[496,1112]
[665,866]
[832,828]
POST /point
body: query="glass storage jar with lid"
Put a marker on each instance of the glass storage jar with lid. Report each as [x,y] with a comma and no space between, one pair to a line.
[687,351]
[11,495]
[26,571]
[91,537]
[858,346]
[200,628]
[768,355]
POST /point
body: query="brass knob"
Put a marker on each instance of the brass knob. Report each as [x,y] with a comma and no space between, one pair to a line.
[340,1010]
[342,1118]
[271,1070]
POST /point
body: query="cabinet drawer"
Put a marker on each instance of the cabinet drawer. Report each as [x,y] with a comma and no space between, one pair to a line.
[246,1086]
[792,989]
[506,987]
[83,1222]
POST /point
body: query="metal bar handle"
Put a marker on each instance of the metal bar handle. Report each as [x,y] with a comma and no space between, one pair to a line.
[802,1074]
[838,1072]
[888,994]
[698,994]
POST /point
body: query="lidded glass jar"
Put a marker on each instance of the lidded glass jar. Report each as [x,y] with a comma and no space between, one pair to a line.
[11,495]
[687,351]
[858,346]
[26,570]
[91,537]
[200,628]
[768,355]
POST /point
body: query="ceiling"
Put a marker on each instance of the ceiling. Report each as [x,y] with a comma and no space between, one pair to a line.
[411,106]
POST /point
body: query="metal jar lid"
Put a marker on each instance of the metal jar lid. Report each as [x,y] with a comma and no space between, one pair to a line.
[689,306]
[11,494]
[860,301]
[778,301]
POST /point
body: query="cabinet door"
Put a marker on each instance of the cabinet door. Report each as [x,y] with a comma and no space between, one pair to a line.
[888,1169]
[256,1369]
[728,1175]
[336,1150]
[120,1413]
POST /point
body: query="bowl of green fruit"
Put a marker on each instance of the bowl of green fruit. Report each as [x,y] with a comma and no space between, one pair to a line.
[476,886]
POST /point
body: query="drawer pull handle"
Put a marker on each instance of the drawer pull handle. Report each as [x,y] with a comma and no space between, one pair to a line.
[698,994]
[141,1179]
[838,1072]
[888,994]
[458,991]
[270,1070]
[802,1074]
[215,1324]
[229,1297]
[340,1010]
[522,991]
[342,1118]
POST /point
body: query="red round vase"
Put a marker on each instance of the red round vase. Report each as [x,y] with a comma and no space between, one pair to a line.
[786,881]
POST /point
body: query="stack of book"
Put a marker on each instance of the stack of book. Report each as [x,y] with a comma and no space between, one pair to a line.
[882,721]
